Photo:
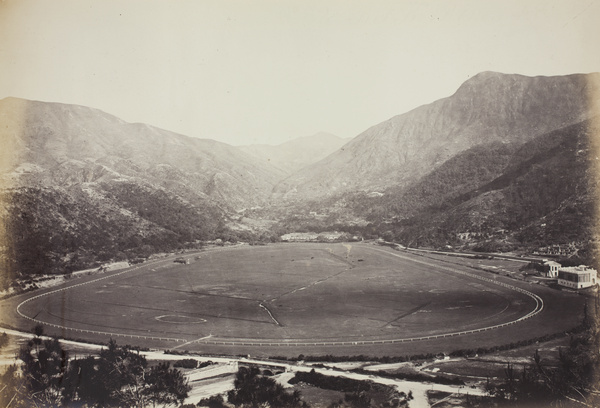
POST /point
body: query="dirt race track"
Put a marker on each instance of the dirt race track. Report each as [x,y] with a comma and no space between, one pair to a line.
[288,299]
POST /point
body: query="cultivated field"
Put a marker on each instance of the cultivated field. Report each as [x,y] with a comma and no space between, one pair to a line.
[303,297]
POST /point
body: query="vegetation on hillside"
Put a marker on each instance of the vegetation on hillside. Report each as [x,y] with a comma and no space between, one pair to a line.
[51,230]
[541,199]
[187,222]
[492,198]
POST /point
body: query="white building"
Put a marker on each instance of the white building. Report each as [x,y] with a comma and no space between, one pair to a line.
[330,236]
[577,277]
[551,269]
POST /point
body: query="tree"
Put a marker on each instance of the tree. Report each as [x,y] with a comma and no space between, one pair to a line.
[3,340]
[166,386]
[121,377]
[38,330]
[13,392]
[44,366]
[86,382]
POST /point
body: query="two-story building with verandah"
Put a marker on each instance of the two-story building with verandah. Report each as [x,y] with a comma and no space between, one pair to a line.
[577,277]
[551,269]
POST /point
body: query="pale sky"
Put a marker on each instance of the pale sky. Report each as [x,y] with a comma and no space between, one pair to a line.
[261,71]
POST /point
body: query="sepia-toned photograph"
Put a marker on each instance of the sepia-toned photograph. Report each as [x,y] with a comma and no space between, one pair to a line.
[299,203]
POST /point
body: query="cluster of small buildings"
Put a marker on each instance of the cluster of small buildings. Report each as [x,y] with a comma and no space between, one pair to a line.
[467,236]
[557,250]
[330,236]
[300,237]
[574,277]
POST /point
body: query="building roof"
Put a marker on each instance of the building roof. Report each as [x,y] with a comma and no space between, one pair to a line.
[576,269]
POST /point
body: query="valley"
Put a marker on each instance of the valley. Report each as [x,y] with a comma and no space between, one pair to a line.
[384,247]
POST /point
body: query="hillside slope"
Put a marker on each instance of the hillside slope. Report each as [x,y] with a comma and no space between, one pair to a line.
[57,144]
[490,107]
[537,194]
[79,186]
[491,197]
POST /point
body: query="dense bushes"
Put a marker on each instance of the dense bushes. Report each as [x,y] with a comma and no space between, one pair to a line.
[186,363]
[216,401]
[191,363]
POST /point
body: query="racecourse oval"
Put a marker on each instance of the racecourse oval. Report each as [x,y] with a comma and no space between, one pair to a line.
[287,294]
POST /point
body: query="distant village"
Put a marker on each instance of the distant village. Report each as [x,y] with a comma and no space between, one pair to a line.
[556,250]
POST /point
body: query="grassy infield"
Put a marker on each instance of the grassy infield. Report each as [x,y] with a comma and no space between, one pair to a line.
[317,292]
[314,292]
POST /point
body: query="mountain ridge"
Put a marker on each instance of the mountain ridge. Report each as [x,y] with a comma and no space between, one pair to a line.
[61,138]
[406,146]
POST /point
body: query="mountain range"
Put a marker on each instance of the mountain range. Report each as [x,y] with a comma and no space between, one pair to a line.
[488,107]
[507,159]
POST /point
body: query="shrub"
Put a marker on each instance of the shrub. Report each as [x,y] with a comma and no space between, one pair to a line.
[186,363]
